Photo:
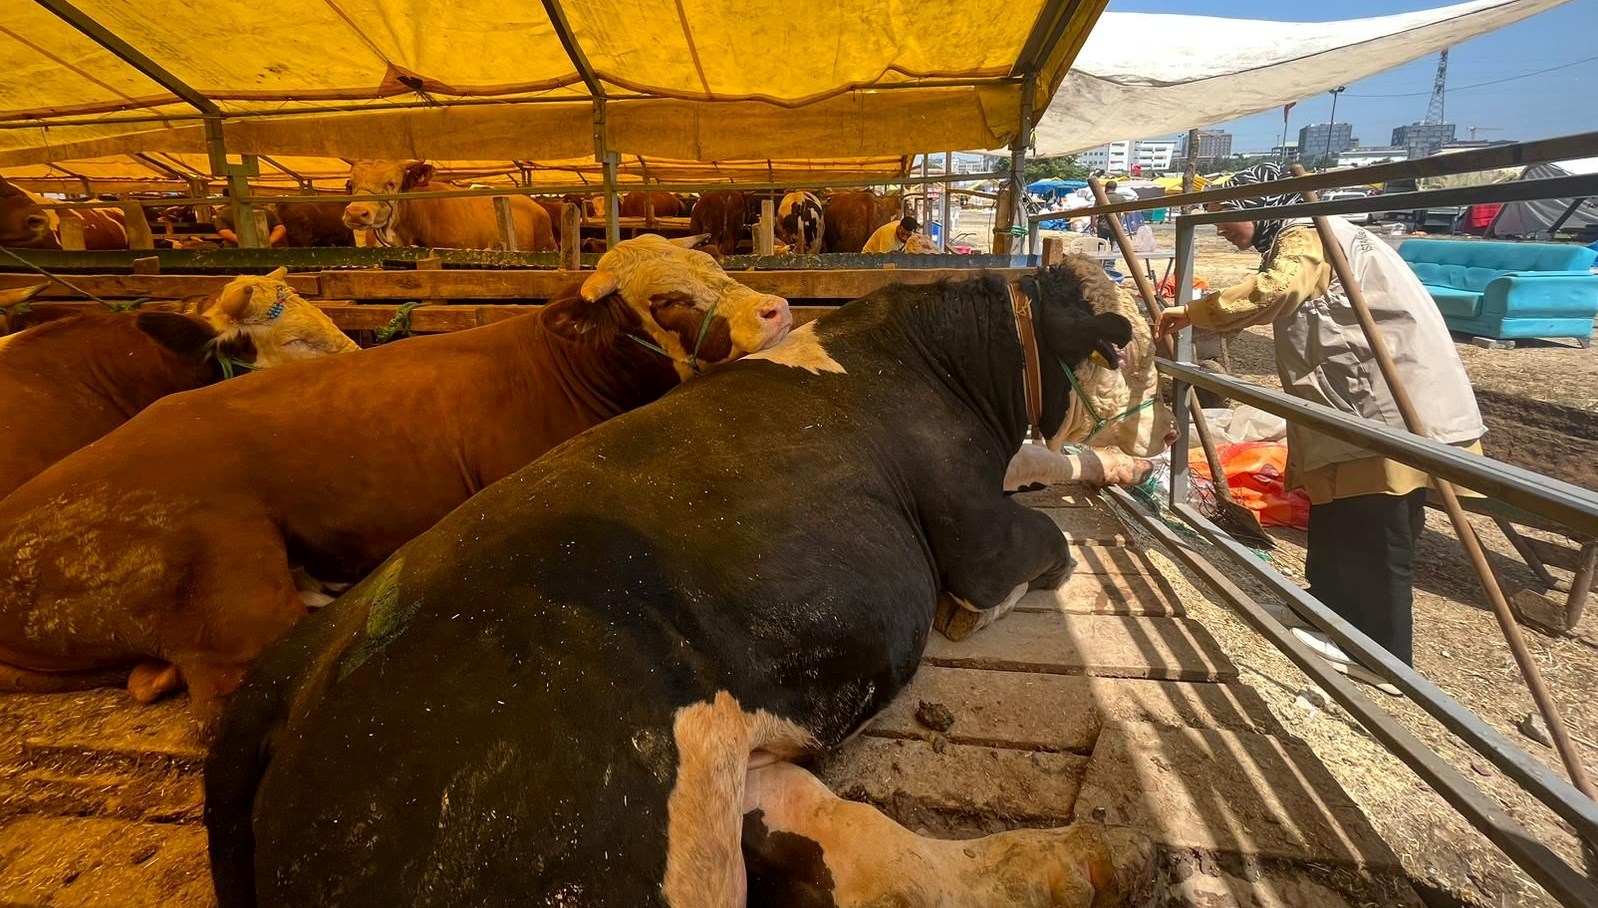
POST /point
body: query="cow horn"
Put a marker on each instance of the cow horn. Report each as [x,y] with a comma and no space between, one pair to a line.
[277,274]
[19,295]
[690,242]
[599,285]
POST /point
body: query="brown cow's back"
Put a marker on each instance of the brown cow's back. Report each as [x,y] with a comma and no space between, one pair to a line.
[635,205]
[470,223]
[71,380]
[853,216]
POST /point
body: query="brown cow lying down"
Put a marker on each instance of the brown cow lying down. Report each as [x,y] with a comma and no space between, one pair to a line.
[82,372]
[138,553]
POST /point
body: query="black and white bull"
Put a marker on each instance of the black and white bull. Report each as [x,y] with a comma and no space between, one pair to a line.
[801,223]
[588,684]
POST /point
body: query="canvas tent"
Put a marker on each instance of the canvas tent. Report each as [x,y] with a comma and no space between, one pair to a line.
[516,80]
[1144,74]
[1544,218]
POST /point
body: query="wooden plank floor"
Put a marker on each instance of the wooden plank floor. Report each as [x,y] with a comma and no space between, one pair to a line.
[1098,702]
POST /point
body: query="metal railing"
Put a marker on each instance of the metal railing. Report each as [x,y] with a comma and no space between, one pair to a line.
[1559,502]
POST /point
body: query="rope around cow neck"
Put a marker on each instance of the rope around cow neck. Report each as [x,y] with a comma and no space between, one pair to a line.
[1100,421]
[693,356]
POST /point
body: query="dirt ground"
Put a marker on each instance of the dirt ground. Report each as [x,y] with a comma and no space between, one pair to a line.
[1540,403]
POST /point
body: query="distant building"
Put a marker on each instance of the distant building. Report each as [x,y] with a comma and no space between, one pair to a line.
[1423,139]
[1119,157]
[1359,157]
[1213,144]
[1319,140]
[1288,152]
[1154,154]
[1261,155]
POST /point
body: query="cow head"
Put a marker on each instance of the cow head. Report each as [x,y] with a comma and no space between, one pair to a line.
[279,323]
[673,290]
[23,224]
[381,178]
[1070,329]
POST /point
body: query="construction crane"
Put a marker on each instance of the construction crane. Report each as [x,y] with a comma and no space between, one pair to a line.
[1475,129]
[1434,110]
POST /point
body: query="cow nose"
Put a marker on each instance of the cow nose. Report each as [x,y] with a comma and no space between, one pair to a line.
[775,309]
[358,215]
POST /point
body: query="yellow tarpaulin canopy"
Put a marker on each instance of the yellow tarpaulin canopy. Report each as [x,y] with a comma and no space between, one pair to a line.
[690,81]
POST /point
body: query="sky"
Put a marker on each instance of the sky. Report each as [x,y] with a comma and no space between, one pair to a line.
[1551,104]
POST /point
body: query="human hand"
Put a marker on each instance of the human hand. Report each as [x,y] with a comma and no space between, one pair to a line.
[1171,321]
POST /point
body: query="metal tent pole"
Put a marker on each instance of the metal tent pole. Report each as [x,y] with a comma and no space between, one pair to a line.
[216,148]
[1456,513]
[608,159]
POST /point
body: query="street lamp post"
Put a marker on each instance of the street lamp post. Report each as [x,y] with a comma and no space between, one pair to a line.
[1333,124]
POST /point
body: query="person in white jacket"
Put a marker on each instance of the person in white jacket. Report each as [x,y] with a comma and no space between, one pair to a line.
[1366,511]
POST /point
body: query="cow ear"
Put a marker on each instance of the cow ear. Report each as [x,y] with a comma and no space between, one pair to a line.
[188,337]
[277,274]
[20,295]
[690,242]
[599,285]
[417,173]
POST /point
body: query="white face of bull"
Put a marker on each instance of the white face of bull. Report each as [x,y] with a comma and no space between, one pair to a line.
[381,178]
[674,289]
[281,325]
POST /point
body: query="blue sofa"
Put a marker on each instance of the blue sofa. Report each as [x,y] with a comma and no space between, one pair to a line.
[1509,290]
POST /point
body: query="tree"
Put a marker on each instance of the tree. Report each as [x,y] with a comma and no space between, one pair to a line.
[1062,168]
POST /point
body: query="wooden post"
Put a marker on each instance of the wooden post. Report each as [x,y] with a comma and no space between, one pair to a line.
[433,263]
[506,222]
[649,209]
[137,226]
[765,230]
[71,229]
[571,237]
[1053,250]
[147,265]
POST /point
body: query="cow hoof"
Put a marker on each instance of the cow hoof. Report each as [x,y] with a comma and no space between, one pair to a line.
[957,620]
[150,680]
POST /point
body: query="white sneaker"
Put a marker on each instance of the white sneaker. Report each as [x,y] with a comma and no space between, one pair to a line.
[1343,662]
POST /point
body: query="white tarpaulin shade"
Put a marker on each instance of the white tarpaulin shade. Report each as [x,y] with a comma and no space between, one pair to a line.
[690,81]
[1147,75]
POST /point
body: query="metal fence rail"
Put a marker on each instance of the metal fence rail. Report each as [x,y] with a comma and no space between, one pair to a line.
[1560,502]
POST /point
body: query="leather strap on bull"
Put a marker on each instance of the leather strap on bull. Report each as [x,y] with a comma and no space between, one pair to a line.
[1032,381]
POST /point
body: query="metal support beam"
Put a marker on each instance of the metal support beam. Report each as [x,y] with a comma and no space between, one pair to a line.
[128,54]
[1007,236]
[1552,873]
[216,148]
[1543,150]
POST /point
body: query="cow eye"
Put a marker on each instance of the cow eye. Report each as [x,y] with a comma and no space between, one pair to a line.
[349,186]
[388,187]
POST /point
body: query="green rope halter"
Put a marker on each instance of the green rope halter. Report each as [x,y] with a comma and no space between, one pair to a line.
[693,355]
[232,366]
[1099,422]
[398,326]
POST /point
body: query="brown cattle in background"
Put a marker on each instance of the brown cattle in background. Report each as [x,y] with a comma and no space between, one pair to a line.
[23,224]
[852,216]
[634,205]
[468,222]
[720,214]
[312,224]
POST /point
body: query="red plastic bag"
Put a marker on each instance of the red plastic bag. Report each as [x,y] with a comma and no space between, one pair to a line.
[1256,473]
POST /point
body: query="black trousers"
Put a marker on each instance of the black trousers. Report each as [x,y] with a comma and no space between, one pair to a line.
[1361,563]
